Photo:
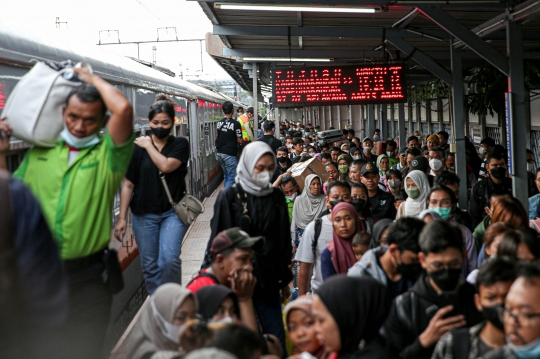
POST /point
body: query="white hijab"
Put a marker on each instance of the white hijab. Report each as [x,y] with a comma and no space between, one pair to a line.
[307,206]
[413,207]
[251,154]
[149,334]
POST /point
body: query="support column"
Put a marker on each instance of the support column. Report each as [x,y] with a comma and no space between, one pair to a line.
[328,114]
[517,126]
[440,116]
[428,118]
[255,110]
[383,122]
[356,119]
[321,118]
[392,119]
[459,114]
[343,116]
[334,112]
[401,125]
[370,120]
[410,115]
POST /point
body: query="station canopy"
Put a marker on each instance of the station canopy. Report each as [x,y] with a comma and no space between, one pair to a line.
[418,33]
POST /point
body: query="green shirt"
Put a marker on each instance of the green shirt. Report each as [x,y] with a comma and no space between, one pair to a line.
[290,206]
[77,199]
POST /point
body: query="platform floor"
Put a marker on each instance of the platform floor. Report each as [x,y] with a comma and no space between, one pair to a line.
[193,248]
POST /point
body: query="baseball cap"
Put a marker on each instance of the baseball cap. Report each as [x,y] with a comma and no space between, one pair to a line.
[434,138]
[403,150]
[419,163]
[369,168]
[235,238]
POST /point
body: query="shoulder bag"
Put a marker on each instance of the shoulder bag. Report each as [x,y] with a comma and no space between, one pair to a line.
[34,107]
[188,208]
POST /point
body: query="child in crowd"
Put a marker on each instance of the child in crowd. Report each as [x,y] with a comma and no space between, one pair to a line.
[400,197]
[360,244]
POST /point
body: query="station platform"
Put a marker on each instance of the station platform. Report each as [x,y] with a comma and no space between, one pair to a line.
[193,247]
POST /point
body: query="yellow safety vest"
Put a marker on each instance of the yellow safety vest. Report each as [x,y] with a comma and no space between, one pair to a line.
[243,119]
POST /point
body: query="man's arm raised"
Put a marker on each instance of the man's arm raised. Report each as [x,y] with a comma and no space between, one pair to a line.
[120,125]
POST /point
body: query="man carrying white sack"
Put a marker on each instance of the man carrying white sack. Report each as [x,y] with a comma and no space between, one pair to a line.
[75,182]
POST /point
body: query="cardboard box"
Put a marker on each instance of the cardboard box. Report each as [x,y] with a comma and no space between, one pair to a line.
[303,169]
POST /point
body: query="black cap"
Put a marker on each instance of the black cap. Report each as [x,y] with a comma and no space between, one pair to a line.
[419,163]
[369,168]
[235,238]
[403,150]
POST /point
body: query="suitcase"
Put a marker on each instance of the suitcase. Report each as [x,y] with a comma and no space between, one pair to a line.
[329,136]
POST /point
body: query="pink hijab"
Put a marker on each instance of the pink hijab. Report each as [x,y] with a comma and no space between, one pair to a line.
[340,248]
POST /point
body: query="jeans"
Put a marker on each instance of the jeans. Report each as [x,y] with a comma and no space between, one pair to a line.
[228,164]
[159,238]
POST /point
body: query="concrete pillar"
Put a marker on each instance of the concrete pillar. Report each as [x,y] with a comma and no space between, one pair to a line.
[255,109]
[328,114]
[440,116]
[321,118]
[343,116]
[428,118]
[516,124]
[334,113]
[459,112]
[383,121]
[356,119]
[370,120]
[401,125]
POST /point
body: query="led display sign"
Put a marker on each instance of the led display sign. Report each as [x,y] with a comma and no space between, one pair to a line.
[339,85]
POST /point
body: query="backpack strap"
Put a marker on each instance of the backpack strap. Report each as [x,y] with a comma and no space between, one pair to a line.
[205,275]
[318,228]
[461,343]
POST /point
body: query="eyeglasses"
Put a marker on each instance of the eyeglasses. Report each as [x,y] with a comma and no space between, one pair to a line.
[522,319]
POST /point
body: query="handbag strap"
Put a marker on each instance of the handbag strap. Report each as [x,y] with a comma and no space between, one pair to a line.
[162,176]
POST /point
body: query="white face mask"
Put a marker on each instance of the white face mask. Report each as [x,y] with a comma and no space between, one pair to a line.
[226,320]
[79,143]
[262,178]
[435,164]
[390,154]
[482,150]
[292,197]
[346,151]
[289,145]
[169,330]
[356,157]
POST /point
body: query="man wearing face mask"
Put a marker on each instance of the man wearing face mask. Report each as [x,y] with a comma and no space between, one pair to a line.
[75,183]
[247,128]
[380,202]
[493,283]
[229,137]
[391,153]
[440,300]
[496,181]
[316,236]
[436,161]
[366,154]
[521,317]
[396,265]
[290,189]
[485,148]
[284,163]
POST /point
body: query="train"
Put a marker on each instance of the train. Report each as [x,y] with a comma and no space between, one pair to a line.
[198,110]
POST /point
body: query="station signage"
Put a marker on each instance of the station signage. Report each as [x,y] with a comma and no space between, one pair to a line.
[339,85]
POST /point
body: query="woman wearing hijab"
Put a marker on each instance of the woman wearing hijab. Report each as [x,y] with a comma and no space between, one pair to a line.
[356,153]
[307,207]
[350,311]
[218,304]
[344,161]
[378,237]
[417,188]
[338,256]
[260,210]
[301,328]
[428,215]
[383,167]
[162,320]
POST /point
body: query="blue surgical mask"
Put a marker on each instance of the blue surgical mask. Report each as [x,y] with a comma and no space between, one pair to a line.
[527,351]
[441,211]
[79,143]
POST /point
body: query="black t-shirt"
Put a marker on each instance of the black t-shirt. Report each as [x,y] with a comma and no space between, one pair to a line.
[229,131]
[149,195]
[273,142]
[382,205]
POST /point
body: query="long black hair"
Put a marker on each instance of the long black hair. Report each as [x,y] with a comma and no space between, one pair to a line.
[162,104]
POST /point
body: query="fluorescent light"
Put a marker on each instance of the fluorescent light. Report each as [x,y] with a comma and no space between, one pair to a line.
[285,59]
[297,8]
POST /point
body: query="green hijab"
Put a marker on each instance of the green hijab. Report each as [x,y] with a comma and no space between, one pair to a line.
[348,158]
[379,159]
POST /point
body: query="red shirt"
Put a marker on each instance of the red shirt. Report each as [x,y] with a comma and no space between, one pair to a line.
[203,279]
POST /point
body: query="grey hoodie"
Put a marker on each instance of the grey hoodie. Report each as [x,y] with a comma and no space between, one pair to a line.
[368,265]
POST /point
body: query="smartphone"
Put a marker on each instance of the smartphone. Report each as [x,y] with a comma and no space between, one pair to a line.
[450,298]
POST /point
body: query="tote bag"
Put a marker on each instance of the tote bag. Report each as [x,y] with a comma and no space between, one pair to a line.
[34,108]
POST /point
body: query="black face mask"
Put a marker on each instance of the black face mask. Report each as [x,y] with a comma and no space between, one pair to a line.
[161,132]
[446,279]
[358,204]
[498,172]
[492,315]
[410,271]
[282,159]
[335,203]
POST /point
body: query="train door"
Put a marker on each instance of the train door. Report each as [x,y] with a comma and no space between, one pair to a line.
[194,135]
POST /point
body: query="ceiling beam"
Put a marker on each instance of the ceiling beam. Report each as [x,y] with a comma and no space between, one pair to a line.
[483,4]
[332,53]
[420,58]
[469,38]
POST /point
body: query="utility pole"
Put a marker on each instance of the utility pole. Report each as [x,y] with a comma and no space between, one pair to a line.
[59,23]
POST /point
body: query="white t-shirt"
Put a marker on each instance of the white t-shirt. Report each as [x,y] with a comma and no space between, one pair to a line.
[304,252]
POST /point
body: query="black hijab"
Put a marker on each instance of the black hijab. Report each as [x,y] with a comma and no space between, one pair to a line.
[378,228]
[211,297]
[359,306]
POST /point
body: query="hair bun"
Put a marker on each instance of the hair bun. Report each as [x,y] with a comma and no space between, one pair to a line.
[163,97]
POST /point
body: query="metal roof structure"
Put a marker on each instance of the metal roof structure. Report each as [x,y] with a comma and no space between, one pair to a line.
[417,32]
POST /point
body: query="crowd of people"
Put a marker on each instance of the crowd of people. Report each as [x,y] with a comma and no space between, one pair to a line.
[377,261]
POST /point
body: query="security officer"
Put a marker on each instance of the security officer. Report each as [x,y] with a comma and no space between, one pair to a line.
[380,202]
